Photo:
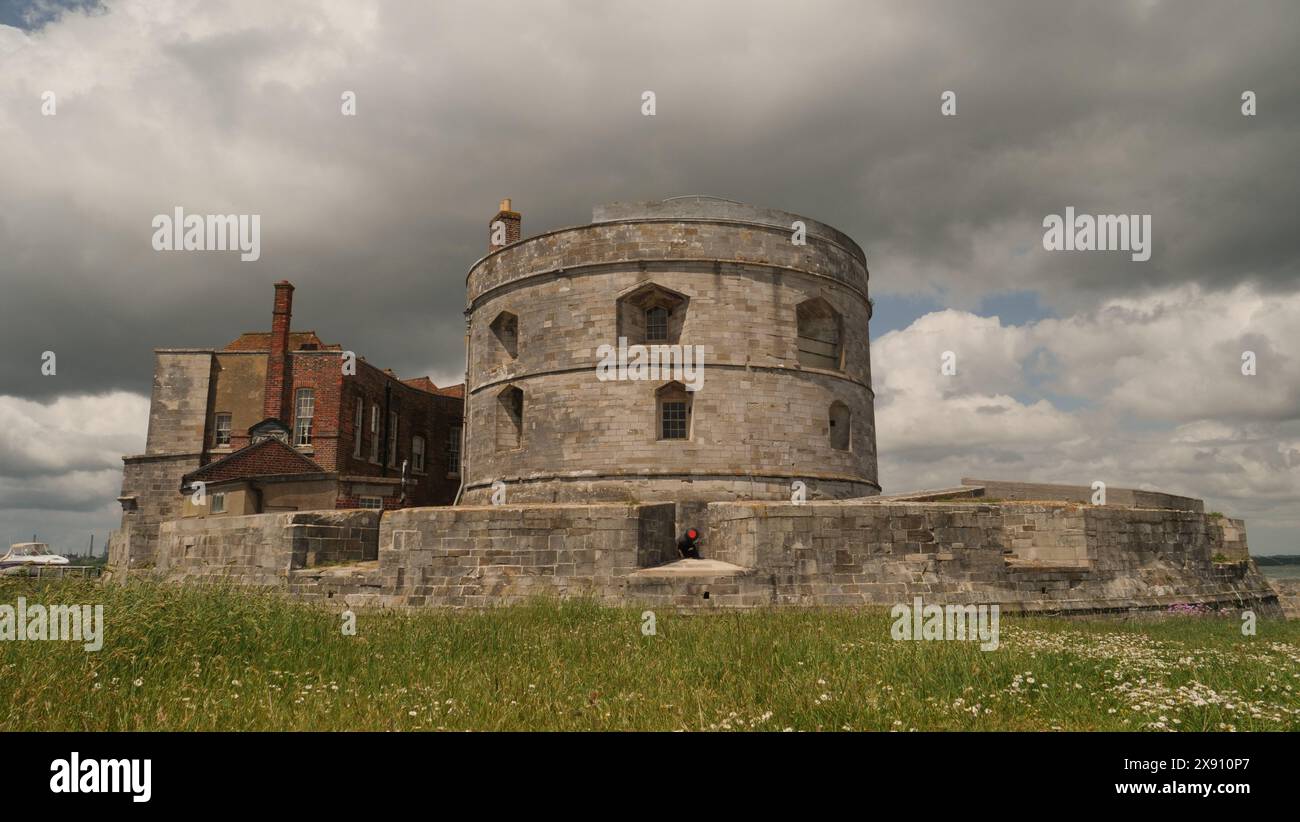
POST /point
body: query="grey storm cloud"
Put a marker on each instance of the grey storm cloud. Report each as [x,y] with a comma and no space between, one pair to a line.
[828,109]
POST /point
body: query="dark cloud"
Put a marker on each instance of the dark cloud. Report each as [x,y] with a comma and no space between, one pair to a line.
[829,109]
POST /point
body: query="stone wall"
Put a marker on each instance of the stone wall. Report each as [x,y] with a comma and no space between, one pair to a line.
[1049,557]
[1034,557]
[1288,596]
[178,427]
[738,282]
[262,549]
[495,555]
[1039,491]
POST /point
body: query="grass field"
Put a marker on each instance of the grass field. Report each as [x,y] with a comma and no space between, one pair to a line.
[187,659]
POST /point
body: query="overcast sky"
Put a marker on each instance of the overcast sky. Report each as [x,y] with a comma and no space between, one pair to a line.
[1072,367]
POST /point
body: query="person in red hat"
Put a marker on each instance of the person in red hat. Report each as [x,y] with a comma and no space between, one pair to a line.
[686,545]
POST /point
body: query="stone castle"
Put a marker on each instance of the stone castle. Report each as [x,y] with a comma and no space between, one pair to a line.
[573,482]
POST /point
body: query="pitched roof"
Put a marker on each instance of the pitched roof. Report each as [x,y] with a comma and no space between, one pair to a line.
[422,383]
[261,341]
[268,458]
[426,384]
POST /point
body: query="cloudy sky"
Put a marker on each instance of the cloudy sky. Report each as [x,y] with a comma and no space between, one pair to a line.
[1071,367]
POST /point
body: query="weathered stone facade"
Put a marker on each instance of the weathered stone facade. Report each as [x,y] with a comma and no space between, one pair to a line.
[1100,559]
[731,280]
[174,446]
[263,549]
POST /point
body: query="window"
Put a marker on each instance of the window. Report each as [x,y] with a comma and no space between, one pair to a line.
[417,453]
[506,330]
[453,450]
[358,422]
[510,418]
[819,334]
[651,314]
[840,426]
[392,438]
[374,433]
[221,430]
[674,412]
[375,503]
[304,410]
[217,504]
[656,324]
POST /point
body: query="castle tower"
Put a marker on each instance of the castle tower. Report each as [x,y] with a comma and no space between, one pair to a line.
[786,382]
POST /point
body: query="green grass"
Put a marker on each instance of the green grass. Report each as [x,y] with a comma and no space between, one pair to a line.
[179,658]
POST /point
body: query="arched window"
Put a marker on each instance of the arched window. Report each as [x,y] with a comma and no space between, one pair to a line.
[819,335]
[841,426]
[510,418]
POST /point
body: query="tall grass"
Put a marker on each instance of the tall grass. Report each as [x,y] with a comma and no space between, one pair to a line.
[178,658]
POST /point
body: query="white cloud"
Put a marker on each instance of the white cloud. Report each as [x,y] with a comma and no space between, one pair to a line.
[85,433]
[1144,392]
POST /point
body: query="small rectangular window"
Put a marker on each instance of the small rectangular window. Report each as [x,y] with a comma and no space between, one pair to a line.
[358,422]
[304,411]
[656,324]
[453,450]
[376,503]
[218,504]
[392,438]
[374,433]
[674,421]
[417,453]
[222,430]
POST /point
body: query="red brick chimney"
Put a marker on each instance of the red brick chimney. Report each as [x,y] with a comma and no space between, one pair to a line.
[513,222]
[278,378]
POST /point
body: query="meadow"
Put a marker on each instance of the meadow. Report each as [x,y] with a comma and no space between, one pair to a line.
[177,658]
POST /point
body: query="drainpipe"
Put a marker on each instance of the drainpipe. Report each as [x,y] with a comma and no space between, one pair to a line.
[385,434]
[465,416]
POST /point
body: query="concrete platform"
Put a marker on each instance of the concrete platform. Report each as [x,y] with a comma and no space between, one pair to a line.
[690,568]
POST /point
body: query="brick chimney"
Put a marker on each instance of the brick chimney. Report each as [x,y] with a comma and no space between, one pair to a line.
[279,380]
[513,221]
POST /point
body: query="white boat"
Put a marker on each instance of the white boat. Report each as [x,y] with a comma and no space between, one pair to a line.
[25,555]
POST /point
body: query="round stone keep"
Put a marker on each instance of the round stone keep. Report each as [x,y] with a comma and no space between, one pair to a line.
[693,350]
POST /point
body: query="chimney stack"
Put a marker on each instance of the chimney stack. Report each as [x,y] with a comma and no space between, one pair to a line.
[513,221]
[278,377]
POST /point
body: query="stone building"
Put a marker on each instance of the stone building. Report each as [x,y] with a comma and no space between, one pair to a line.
[280,421]
[594,434]
[784,395]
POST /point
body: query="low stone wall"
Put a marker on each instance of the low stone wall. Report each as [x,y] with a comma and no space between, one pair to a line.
[1033,557]
[492,555]
[1041,557]
[261,549]
[1124,497]
[1288,596]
